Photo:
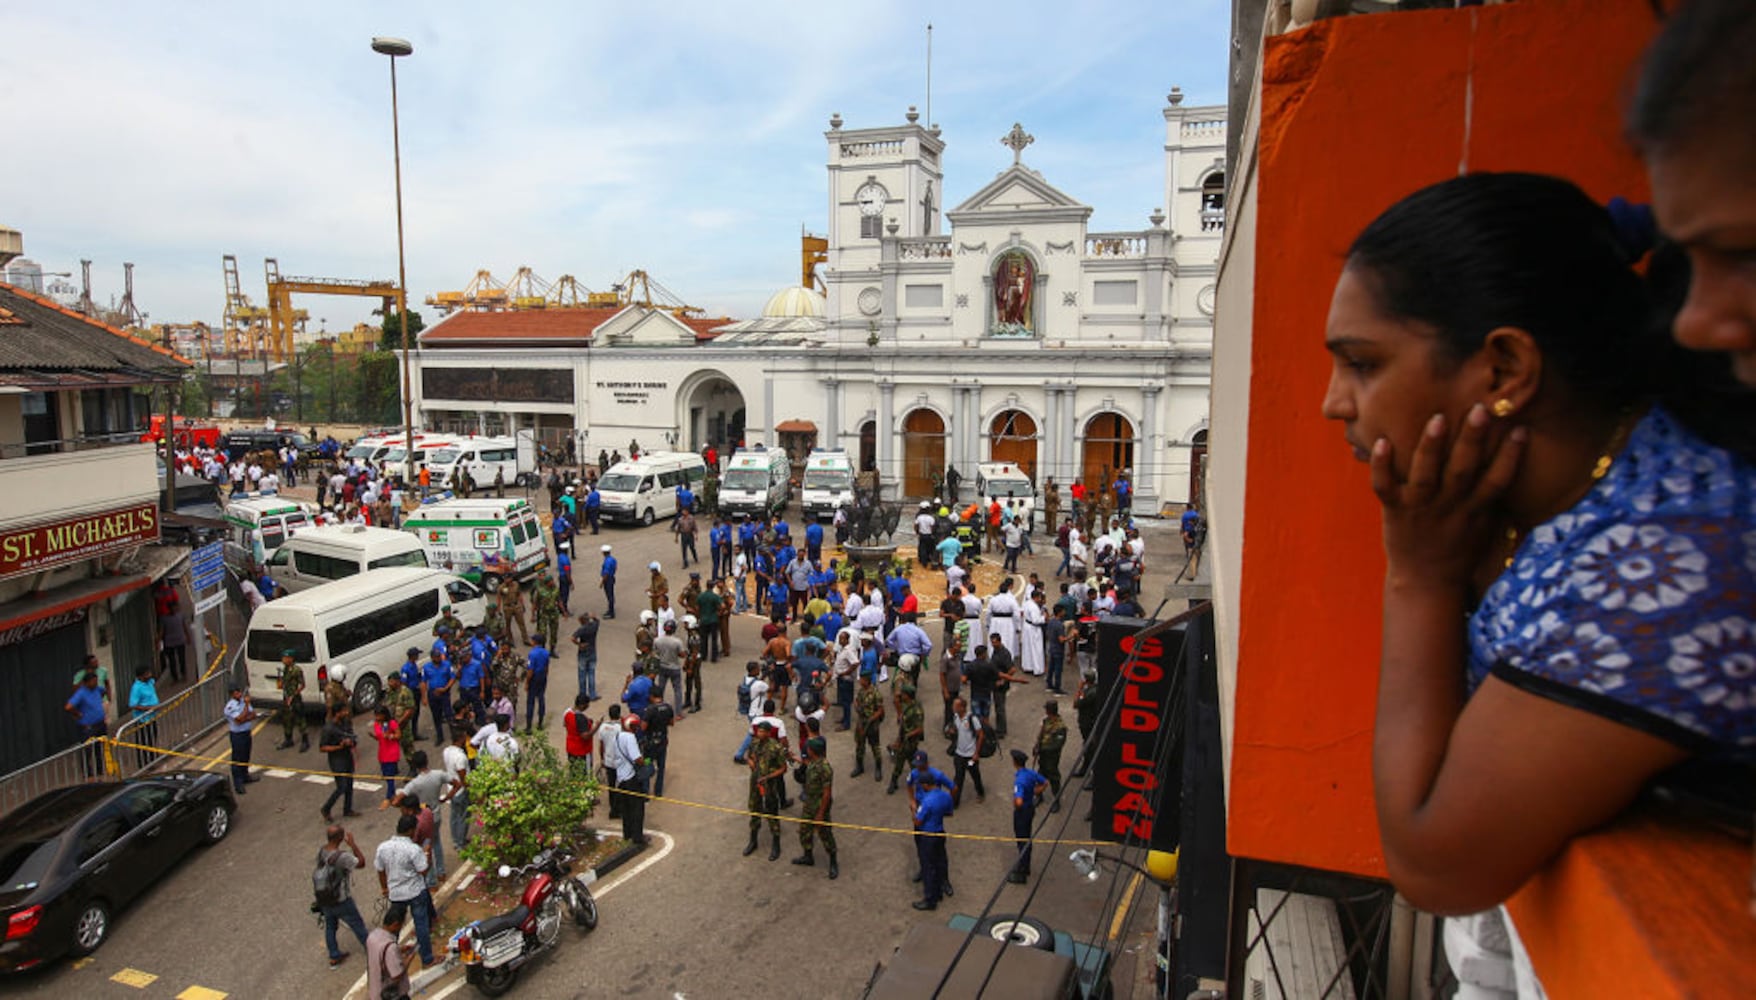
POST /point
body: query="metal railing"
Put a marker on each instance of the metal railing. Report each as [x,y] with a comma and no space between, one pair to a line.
[176,725]
[79,763]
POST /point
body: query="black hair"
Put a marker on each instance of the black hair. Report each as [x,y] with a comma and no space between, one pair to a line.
[1699,78]
[1482,251]
[406,824]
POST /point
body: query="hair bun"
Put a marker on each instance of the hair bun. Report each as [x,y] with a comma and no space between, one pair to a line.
[1636,232]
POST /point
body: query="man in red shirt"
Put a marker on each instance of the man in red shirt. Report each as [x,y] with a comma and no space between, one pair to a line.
[578,727]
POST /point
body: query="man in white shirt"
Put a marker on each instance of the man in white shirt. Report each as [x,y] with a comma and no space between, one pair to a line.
[633,805]
[609,732]
[1003,616]
[455,765]
[402,878]
[846,670]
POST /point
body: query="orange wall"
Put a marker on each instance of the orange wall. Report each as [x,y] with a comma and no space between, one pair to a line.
[1357,112]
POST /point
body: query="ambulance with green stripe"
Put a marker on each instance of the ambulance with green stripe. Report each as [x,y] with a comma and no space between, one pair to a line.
[483,540]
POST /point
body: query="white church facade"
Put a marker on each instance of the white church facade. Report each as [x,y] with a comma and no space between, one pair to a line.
[1001,329]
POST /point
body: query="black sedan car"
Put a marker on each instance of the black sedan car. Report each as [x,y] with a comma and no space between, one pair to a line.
[72,858]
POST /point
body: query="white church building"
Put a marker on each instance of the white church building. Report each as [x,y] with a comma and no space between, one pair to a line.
[1001,329]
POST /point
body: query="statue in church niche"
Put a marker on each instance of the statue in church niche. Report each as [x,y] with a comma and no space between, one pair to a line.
[1014,285]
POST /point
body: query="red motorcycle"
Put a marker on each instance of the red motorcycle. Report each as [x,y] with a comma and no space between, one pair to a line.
[493,950]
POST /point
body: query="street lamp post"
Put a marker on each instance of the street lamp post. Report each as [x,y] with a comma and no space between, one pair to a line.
[394,47]
[1160,870]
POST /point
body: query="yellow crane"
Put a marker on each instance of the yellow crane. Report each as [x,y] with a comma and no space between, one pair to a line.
[246,324]
[283,319]
[483,292]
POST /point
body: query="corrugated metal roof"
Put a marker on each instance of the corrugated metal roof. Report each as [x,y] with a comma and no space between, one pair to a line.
[42,336]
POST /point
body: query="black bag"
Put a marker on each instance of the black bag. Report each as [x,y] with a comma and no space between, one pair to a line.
[327,881]
[643,771]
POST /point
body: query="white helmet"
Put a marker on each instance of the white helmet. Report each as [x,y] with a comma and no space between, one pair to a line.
[654,566]
[689,622]
[338,672]
[647,618]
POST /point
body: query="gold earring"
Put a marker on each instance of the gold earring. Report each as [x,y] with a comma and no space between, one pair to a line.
[1502,408]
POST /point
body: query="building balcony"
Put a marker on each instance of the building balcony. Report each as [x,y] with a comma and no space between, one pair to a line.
[95,475]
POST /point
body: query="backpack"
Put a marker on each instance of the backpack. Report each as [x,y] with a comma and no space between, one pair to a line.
[809,700]
[744,695]
[327,880]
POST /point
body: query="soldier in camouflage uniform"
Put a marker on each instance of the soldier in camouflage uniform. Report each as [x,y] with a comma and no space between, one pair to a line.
[401,702]
[909,730]
[508,671]
[1050,739]
[493,622]
[691,665]
[868,725]
[691,591]
[644,635]
[768,769]
[1085,709]
[546,606]
[292,701]
[448,619]
[511,601]
[815,804]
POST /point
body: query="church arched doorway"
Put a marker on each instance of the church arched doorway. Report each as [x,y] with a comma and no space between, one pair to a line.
[869,446]
[1012,438]
[1109,448]
[713,409]
[923,451]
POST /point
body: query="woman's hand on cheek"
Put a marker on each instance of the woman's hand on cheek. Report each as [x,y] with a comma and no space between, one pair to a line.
[1438,521]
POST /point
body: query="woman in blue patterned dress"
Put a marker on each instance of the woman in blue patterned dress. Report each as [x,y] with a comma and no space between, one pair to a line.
[1570,545]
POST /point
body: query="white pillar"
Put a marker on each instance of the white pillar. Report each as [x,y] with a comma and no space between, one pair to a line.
[1070,413]
[973,440]
[887,432]
[1051,436]
[831,437]
[1146,453]
[768,436]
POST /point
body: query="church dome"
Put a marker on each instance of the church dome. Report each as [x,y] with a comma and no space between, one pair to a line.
[794,301]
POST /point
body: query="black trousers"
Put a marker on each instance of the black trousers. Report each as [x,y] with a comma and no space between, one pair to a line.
[633,811]
[344,790]
[1022,821]
[971,766]
[610,790]
[935,866]
[240,757]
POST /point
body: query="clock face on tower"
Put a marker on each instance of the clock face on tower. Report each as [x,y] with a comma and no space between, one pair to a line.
[871,198]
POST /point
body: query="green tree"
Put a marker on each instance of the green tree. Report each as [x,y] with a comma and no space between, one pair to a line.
[524,806]
[392,339]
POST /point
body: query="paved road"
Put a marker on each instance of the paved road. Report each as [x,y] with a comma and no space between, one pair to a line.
[703,922]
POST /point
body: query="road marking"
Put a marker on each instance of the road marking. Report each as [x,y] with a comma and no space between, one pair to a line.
[201,993]
[81,963]
[621,877]
[368,786]
[275,772]
[135,978]
[316,779]
[1122,908]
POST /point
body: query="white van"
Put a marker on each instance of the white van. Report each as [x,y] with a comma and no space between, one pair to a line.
[756,482]
[257,525]
[1003,481]
[828,483]
[330,552]
[367,449]
[367,622]
[482,456]
[467,536]
[394,455]
[646,490]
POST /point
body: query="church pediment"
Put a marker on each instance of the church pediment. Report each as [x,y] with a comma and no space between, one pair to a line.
[1018,188]
[638,326]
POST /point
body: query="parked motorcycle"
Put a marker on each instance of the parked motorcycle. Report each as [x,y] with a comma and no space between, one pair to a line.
[493,950]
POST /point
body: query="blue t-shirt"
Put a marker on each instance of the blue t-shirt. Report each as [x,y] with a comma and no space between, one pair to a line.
[1024,786]
[265,586]
[786,554]
[781,528]
[831,621]
[915,774]
[441,650]
[609,568]
[593,501]
[1191,519]
[88,705]
[777,592]
[538,662]
[897,588]
[638,695]
[746,533]
[1639,603]
[469,676]
[685,498]
[436,675]
[411,674]
[869,661]
[814,534]
[935,806]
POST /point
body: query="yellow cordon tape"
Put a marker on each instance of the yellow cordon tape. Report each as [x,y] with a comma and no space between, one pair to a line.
[114,744]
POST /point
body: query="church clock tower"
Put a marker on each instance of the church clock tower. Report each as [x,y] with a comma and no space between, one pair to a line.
[878,177]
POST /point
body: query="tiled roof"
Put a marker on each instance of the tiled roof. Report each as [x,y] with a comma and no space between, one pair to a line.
[40,335]
[547,326]
[539,326]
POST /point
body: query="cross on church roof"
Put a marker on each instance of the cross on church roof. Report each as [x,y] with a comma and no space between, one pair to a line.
[1016,140]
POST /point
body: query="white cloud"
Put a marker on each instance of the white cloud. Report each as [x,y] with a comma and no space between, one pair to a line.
[682,138]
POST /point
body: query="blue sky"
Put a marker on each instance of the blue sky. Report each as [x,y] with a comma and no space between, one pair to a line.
[682,138]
